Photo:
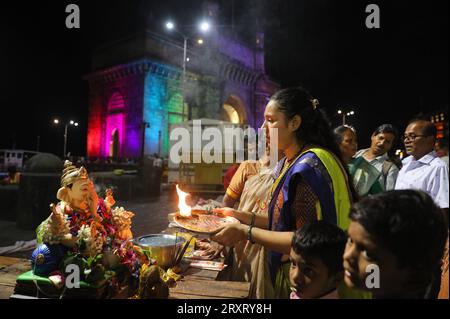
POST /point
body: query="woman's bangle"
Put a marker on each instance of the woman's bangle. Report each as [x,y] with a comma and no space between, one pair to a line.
[249,235]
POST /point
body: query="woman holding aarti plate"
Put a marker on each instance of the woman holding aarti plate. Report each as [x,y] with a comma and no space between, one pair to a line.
[311,183]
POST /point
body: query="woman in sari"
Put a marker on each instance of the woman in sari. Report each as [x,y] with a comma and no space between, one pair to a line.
[365,177]
[311,183]
[250,187]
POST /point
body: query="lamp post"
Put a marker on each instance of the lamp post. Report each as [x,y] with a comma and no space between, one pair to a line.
[204,27]
[66,126]
[170,26]
[345,114]
[184,77]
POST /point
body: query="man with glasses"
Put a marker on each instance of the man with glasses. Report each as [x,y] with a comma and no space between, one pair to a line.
[423,169]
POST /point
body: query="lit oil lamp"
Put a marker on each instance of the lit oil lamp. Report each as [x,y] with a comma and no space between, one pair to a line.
[184,209]
[197,219]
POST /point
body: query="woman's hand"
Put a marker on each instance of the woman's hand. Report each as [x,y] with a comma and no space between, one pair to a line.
[231,235]
[225,211]
[210,249]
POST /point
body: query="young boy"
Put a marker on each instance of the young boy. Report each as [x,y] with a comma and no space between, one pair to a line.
[395,245]
[316,261]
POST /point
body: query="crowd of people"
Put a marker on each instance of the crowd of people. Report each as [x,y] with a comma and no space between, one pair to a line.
[332,221]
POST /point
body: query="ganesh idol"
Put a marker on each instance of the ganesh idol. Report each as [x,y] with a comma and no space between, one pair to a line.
[82,218]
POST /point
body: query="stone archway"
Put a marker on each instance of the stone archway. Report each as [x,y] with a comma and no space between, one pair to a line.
[234,110]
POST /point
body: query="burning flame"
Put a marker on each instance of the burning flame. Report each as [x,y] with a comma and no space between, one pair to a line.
[185,210]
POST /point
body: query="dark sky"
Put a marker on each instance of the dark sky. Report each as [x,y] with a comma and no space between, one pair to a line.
[386,75]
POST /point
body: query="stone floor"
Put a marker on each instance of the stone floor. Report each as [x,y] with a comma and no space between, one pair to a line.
[150,217]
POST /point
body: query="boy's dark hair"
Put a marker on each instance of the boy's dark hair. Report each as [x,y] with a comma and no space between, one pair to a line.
[407,223]
[322,240]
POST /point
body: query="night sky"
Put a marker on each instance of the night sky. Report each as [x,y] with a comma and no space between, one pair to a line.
[385,75]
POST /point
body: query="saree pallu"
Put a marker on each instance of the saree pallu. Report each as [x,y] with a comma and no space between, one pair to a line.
[365,177]
[248,262]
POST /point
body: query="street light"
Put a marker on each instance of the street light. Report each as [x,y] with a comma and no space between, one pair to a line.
[170,25]
[71,122]
[204,27]
[345,114]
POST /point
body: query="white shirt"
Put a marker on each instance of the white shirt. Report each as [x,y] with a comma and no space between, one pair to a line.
[388,182]
[429,174]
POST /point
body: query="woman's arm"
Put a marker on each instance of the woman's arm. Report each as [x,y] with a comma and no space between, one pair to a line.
[244,217]
[273,240]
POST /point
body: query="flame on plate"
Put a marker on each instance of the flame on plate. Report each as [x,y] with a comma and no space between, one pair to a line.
[185,209]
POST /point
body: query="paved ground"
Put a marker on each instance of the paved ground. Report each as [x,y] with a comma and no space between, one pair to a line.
[150,217]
